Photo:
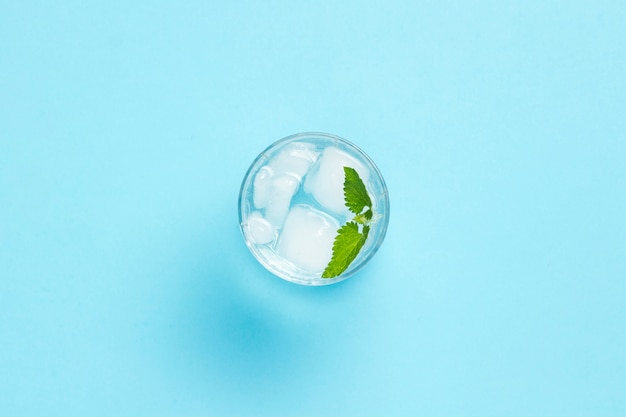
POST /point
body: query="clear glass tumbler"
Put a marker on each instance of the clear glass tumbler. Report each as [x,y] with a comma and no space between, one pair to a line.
[297,219]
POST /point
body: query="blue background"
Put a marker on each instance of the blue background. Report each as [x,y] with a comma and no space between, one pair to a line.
[126,129]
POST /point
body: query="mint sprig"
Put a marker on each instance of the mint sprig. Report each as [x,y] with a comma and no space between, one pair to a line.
[350,239]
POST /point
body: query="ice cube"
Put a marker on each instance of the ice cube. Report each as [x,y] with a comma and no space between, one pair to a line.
[262,187]
[281,189]
[325,181]
[260,230]
[295,159]
[307,238]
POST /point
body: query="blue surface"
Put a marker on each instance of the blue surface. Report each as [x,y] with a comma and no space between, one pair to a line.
[127,290]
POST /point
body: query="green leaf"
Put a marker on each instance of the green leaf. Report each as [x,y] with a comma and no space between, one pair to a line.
[346,247]
[355,193]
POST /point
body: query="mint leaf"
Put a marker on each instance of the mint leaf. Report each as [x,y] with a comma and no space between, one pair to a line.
[355,193]
[346,247]
[349,239]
